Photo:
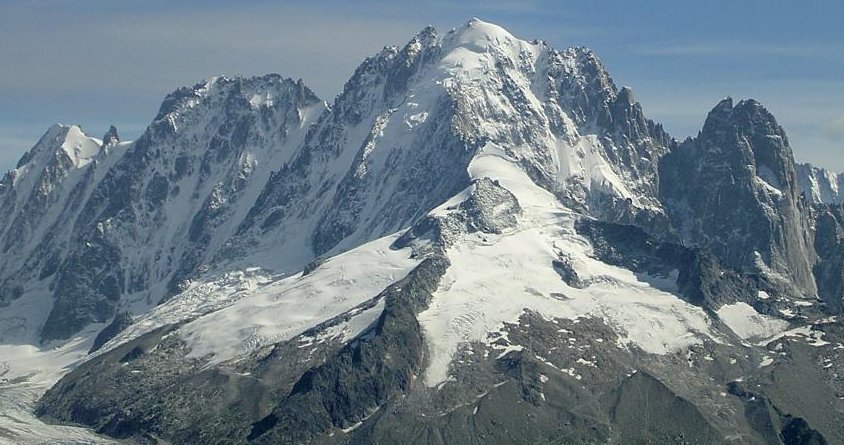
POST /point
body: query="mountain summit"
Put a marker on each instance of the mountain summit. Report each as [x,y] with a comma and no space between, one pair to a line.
[482,239]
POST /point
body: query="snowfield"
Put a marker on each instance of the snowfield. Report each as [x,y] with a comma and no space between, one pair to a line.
[745,322]
[286,308]
[493,279]
[27,371]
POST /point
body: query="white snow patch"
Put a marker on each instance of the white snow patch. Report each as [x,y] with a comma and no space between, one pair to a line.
[286,308]
[810,336]
[585,362]
[509,348]
[259,100]
[572,373]
[80,148]
[26,372]
[357,324]
[352,428]
[787,312]
[416,119]
[543,378]
[745,322]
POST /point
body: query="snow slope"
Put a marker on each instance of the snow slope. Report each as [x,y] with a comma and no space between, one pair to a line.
[749,324]
[25,373]
[493,279]
[243,311]
[285,308]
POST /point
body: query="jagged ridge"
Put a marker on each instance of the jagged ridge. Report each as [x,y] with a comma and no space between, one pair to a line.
[525,141]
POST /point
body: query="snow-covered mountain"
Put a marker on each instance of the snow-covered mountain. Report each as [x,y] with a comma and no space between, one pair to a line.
[819,185]
[118,228]
[481,240]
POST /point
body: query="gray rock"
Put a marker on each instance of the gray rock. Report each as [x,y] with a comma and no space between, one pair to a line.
[120,322]
[829,244]
[734,190]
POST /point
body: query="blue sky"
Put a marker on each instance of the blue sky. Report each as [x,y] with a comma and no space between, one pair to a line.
[96,63]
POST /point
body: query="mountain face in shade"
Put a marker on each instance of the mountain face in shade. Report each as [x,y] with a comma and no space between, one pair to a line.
[734,189]
[482,239]
[829,244]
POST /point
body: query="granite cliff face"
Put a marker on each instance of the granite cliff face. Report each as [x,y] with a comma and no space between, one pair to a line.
[495,245]
[829,244]
[733,189]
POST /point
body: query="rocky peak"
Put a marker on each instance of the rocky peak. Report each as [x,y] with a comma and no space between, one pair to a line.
[111,138]
[625,96]
[591,70]
[423,40]
[762,143]
[233,93]
[747,117]
[44,185]
[382,78]
[733,189]
[61,149]
[585,84]
[181,188]
[48,143]
[594,100]
[720,112]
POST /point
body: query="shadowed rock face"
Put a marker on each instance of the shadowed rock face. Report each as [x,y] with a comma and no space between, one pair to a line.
[366,374]
[829,244]
[646,411]
[733,189]
[283,396]
[701,278]
[120,322]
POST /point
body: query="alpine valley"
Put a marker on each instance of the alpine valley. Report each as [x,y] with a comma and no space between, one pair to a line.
[482,240]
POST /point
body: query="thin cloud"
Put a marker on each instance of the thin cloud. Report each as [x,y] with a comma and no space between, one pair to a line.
[155,52]
[734,48]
